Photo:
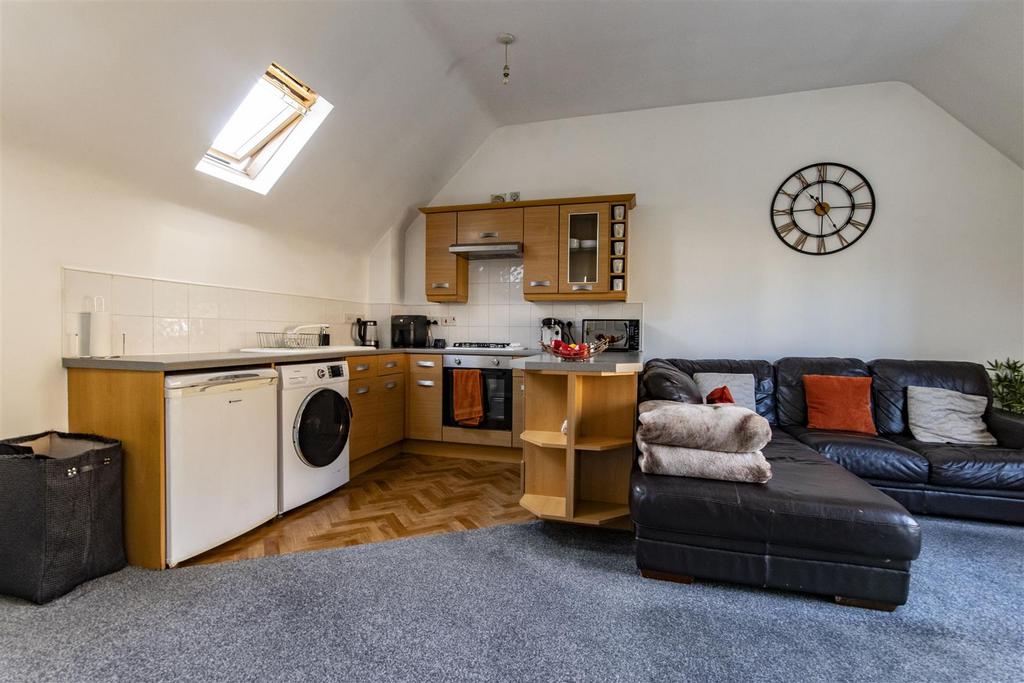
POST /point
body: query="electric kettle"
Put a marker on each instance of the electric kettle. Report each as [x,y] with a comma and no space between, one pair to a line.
[365,333]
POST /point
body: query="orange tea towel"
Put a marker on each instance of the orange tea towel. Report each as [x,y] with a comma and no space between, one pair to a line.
[467,397]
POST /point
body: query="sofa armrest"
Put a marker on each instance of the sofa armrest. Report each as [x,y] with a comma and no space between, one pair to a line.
[1007,427]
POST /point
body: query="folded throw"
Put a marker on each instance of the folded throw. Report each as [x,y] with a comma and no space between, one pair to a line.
[725,427]
[691,462]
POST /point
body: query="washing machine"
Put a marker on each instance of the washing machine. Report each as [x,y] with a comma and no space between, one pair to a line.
[316,420]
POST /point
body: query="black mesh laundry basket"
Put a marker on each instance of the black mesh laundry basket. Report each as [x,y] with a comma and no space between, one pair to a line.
[60,513]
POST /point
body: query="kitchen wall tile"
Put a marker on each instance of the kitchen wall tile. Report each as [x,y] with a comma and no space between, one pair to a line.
[309,310]
[203,335]
[170,335]
[520,314]
[170,300]
[75,324]
[516,272]
[80,287]
[632,311]
[541,311]
[477,333]
[334,311]
[203,302]
[280,307]
[131,335]
[498,333]
[478,272]
[131,296]
[497,315]
[526,336]
[498,293]
[480,294]
[231,303]
[564,311]
[257,306]
[515,292]
[473,314]
[234,336]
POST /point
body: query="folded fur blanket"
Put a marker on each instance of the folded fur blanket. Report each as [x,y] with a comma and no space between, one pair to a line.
[703,464]
[725,427]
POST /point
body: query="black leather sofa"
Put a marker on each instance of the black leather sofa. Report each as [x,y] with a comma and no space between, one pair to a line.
[834,518]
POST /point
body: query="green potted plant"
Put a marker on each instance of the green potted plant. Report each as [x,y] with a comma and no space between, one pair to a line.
[1008,384]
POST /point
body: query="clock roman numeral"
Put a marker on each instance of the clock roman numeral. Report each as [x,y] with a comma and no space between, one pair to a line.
[859,185]
[799,243]
[821,245]
[822,172]
[863,205]
[791,196]
[841,176]
[784,230]
[780,212]
[842,240]
[802,179]
[857,224]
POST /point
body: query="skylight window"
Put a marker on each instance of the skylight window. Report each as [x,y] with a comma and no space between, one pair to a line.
[266,132]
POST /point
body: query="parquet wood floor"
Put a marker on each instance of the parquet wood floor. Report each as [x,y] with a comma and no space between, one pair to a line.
[409,495]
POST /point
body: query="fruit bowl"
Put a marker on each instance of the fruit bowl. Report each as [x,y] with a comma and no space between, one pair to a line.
[574,352]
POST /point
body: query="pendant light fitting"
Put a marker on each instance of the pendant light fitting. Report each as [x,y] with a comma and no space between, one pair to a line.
[506,39]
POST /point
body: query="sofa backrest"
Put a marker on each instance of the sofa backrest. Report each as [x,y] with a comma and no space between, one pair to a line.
[890,379]
[791,403]
[764,377]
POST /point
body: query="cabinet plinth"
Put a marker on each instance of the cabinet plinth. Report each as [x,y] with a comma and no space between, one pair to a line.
[581,474]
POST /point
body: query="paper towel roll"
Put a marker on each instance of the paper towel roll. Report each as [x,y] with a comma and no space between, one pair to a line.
[100,326]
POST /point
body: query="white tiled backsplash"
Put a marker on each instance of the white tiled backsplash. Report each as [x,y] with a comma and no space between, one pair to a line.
[160,316]
[497,312]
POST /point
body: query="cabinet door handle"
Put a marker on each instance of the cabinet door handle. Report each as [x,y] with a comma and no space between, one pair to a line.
[391,364]
[540,283]
[363,390]
[440,285]
[582,288]
[426,363]
[391,385]
[487,235]
[362,368]
[425,382]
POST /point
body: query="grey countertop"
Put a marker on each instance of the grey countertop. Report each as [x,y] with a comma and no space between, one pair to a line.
[610,361]
[174,362]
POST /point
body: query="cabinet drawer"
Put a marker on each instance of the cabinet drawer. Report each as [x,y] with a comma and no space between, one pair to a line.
[391,364]
[423,407]
[362,366]
[490,225]
[425,365]
[362,438]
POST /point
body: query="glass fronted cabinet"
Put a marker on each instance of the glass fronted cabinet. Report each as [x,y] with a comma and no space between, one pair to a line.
[584,244]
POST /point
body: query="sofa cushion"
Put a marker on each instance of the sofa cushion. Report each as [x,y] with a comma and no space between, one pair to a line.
[892,377]
[973,467]
[947,416]
[839,403]
[791,403]
[662,381]
[810,503]
[866,456]
[741,386]
[764,377]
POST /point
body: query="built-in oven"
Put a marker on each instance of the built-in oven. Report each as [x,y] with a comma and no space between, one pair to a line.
[496,390]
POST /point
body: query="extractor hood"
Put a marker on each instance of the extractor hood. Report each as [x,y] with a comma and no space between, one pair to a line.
[485,251]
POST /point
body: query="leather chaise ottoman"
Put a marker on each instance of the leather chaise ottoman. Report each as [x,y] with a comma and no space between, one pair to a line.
[815,527]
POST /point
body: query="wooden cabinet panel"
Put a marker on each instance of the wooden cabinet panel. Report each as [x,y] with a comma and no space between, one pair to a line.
[423,407]
[568,284]
[490,225]
[425,364]
[447,275]
[365,409]
[518,407]
[392,364]
[540,250]
[360,367]
[391,413]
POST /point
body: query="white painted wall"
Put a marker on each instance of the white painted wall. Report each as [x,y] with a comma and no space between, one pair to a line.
[55,215]
[938,275]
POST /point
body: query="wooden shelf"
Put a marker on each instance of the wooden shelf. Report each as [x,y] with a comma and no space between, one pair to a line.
[596,512]
[544,439]
[544,506]
[602,443]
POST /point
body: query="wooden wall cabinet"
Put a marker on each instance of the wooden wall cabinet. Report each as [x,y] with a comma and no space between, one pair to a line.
[584,243]
[447,275]
[490,226]
[424,403]
[540,250]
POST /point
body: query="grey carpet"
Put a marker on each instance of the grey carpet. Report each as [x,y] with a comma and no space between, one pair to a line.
[529,602]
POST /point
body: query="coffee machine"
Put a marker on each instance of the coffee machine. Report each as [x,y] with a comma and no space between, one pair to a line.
[410,331]
[365,333]
[553,328]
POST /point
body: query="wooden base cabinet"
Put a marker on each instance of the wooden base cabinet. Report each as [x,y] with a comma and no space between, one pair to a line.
[424,402]
[378,412]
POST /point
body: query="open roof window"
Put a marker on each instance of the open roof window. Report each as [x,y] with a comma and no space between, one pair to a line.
[266,132]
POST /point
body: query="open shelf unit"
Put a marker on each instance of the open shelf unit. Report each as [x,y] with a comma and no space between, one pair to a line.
[581,475]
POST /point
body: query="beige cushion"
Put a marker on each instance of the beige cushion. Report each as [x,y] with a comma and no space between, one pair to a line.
[947,416]
[741,386]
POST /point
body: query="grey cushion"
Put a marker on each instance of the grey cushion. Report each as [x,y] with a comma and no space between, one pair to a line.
[741,386]
[947,416]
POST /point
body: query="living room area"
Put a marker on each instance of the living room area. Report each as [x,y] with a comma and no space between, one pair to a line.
[575,340]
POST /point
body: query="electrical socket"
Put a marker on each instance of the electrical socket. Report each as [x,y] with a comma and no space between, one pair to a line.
[448,321]
[351,317]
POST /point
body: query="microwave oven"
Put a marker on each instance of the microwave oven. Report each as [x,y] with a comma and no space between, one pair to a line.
[622,334]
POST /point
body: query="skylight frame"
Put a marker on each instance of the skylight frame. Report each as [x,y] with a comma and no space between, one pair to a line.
[265,161]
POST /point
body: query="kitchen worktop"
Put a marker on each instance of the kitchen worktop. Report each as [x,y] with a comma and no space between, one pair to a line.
[611,361]
[175,362]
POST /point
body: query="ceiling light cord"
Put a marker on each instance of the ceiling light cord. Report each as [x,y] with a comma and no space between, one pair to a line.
[506,39]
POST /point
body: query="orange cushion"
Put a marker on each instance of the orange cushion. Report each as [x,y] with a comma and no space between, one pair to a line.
[720,395]
[839,403]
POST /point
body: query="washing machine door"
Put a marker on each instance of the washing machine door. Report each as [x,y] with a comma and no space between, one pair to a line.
[322,426]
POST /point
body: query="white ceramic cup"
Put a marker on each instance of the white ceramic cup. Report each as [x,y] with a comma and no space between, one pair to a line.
[619,230]
[617,265]
[620,248]
[620,212]
[617,284]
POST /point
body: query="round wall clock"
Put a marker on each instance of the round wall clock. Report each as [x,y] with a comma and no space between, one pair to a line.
[823,208]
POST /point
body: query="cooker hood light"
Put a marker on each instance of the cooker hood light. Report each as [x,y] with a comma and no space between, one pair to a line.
[486,251]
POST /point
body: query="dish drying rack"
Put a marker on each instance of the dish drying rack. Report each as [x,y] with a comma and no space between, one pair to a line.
[287,340]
